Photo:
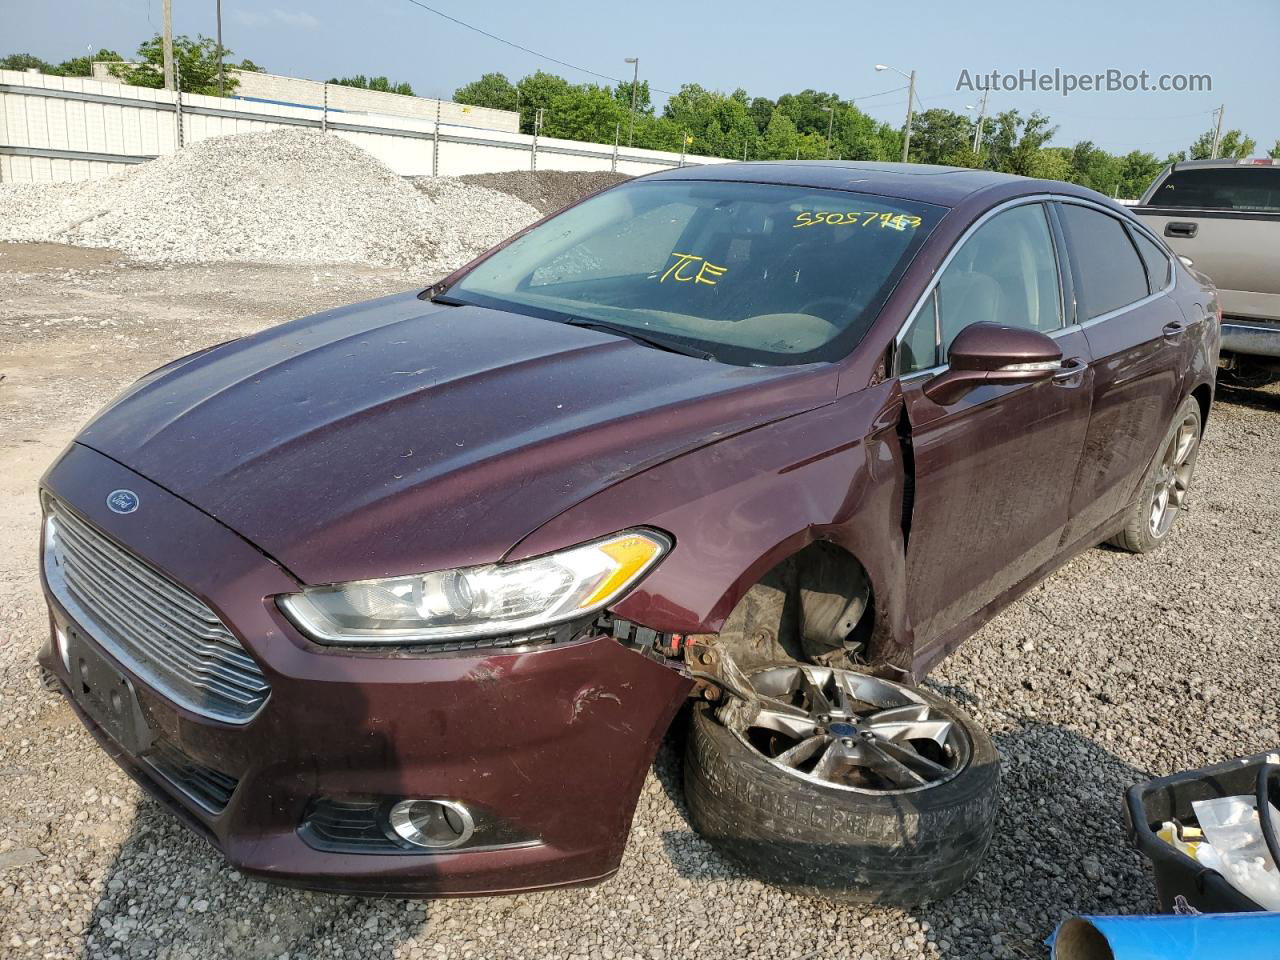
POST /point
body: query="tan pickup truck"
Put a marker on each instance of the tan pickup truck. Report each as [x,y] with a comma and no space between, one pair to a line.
[1224,216]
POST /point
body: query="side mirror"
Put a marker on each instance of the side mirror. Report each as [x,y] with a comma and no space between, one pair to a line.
[992,353]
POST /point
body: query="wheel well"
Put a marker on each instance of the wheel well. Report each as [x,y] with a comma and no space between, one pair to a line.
[1204,396]
[814,606]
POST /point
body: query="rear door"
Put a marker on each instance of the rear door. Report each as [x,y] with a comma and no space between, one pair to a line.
[1139,339]
[994,470]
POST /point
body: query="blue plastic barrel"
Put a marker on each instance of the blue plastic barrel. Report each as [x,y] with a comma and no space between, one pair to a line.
[1206,936]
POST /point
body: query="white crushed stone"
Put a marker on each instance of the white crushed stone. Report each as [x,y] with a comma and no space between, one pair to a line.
[285,196]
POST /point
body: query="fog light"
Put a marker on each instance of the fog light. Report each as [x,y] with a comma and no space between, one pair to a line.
[64,651]
[433,824]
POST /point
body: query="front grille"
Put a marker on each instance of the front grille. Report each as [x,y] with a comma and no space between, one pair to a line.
[208,787]
[157,628]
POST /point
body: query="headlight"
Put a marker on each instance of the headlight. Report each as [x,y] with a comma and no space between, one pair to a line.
[483,601]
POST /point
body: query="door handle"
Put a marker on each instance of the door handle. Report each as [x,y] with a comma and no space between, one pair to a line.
[1181,228]
[1173,330]
[1069,370]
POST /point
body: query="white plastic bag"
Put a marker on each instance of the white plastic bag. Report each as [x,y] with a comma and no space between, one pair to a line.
[1236,848]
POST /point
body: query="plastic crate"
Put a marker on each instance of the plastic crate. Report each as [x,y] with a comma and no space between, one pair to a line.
[1167,798]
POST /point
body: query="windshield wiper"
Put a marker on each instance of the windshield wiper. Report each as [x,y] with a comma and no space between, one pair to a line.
[449,301]
[630,334]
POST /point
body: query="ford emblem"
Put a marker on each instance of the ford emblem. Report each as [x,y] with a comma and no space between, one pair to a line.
[122,501]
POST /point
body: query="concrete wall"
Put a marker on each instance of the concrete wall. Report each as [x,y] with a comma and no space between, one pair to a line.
[70,128]
[270,86]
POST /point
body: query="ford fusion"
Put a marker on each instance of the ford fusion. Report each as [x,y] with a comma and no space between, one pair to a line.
[400,598]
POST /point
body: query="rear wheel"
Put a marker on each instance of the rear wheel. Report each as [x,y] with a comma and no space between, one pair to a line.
[838,784]
[1163,494]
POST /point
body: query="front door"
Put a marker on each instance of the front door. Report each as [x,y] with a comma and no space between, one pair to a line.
[994,470]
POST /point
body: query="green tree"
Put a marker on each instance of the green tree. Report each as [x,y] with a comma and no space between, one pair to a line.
[1274,152]
[83,66]
[587,112]
[196,62]
[1137,170]
[1094,168]
[644,103]
[1234,145]
[537,91]
[381,84]
[25,61]
[938,135]
[492,90]
[781,139]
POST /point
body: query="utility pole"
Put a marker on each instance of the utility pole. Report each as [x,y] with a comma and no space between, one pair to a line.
[831,119]
[635,83]
[911,102]
[1217,132]
[168,44]
[982,115]
[221,79]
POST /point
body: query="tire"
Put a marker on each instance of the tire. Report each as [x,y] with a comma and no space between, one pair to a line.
[1171,472]
[902,848]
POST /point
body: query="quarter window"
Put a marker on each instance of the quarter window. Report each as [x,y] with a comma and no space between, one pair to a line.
[1006,272]
[1157,262]
[1110,274]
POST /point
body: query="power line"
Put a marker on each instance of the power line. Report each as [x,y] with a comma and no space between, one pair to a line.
[530,50]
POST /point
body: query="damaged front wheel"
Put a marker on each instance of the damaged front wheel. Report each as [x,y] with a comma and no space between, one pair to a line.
[835,783]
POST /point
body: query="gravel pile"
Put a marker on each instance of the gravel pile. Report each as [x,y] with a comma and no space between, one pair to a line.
[286,196]
[548,190]
[1116,669]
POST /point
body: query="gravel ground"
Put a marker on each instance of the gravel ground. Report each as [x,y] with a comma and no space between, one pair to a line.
[547,190]
[1116,669]
[286,196]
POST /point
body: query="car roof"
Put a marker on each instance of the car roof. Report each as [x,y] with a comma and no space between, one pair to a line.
[1263,163]
[929,183]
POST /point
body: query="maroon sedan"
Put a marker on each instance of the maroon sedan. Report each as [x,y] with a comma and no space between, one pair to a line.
[401,597]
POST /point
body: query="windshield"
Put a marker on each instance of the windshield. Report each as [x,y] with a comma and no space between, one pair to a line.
[747,273]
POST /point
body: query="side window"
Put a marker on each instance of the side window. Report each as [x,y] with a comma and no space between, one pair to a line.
[1111,275]
[1157,262]
[1006,273]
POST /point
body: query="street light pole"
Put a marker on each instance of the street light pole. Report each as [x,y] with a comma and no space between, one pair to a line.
[911,102]
[635,83]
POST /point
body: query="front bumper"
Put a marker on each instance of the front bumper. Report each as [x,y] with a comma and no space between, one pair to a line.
[1254,339]
[549,743]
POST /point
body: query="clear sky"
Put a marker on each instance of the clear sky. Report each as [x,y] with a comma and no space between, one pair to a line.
[766,47]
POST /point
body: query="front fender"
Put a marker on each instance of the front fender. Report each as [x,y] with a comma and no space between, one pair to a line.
[739,506]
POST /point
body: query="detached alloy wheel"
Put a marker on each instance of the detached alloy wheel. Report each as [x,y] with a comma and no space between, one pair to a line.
[837,784]
[1164,490]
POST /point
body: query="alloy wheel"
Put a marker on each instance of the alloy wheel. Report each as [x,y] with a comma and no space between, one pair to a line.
[1173,476]
[847,730]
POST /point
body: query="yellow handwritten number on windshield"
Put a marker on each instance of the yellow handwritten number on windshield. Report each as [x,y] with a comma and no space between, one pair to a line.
[690,269]
[865,218]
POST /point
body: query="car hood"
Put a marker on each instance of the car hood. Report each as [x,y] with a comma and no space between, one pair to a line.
[400,435]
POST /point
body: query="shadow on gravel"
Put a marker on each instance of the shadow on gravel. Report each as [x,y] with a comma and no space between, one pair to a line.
[1265,399]
[170,895]
[1060,846]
